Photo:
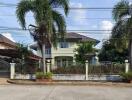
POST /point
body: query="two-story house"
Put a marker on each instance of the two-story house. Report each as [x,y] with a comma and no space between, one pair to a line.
[64,54]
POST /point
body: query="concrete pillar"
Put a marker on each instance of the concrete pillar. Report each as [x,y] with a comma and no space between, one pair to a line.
[48,65]
[126,66]
[86,69]
[12,70]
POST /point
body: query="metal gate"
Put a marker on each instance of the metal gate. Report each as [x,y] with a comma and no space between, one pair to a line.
[4,68]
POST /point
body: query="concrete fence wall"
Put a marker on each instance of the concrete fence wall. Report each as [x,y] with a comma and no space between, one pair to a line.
[74,77]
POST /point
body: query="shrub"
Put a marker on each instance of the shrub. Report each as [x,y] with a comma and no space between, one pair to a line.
[127,76]
[39,75]
[48,75]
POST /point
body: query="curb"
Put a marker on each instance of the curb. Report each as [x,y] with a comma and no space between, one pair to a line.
[70,83]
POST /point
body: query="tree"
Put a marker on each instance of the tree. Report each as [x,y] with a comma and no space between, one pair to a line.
[83,49]
[23,53]
[110,53]
[50,23]
[121,33]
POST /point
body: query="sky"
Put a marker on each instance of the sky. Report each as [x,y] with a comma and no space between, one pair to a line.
[85,19]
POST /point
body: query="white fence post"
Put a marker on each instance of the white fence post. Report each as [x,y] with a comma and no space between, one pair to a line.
[86,69]
[48,65]
[126,66]
[12,70]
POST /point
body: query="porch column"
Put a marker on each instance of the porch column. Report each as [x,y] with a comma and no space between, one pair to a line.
[12,70]
[39,63]
[53,65]
[74,61]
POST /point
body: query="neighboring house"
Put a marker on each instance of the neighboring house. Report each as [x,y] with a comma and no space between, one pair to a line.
[8,52]
[6,43]
[64,54]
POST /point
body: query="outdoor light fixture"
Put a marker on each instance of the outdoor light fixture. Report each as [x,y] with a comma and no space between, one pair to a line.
[32,29]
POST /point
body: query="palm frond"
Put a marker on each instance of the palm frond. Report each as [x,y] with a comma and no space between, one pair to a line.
[61,3]
[22,8]
[60,23]
[120,10]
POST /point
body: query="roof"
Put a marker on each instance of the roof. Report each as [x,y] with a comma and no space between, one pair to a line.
[7,41]
[73,35]
[15,54]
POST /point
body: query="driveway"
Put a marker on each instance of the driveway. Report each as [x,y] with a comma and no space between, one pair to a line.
[3,81]
[18,92]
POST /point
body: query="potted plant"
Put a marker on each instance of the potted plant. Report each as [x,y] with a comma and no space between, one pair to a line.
[127,77]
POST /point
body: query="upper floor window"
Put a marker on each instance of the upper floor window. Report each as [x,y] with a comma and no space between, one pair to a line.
[48,51]
[64,45]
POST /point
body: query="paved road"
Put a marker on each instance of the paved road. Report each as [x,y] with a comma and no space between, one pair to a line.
[17,92]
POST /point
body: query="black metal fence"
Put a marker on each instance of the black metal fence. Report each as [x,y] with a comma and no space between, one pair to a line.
[101,69]
[26,67]
[4,68]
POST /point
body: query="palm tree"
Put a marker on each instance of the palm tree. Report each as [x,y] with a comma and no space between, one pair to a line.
[122,14]
[50,22]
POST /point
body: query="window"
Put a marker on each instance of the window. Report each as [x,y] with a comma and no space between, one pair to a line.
[48,51]
[63,45]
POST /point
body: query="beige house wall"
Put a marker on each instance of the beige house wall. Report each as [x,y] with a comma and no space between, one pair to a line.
[61,52]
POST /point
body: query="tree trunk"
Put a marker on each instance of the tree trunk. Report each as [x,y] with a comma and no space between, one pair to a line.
[130,54]
[43,56]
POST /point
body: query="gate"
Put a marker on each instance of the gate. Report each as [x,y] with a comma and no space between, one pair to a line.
[4,68]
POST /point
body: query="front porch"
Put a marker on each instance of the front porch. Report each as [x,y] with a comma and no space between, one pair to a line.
[63,61]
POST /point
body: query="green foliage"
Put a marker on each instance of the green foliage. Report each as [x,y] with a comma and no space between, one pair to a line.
[41,75]
[121,32]
[83,49]
[110,53]
[23,51]
[25,64]
[48,75]
[50,23]
[127,76]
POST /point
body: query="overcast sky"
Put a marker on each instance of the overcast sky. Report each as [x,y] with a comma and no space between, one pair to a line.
[77,20]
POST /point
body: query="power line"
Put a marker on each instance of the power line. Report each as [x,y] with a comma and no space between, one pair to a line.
[8,28]
[73,8]
[68,17]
